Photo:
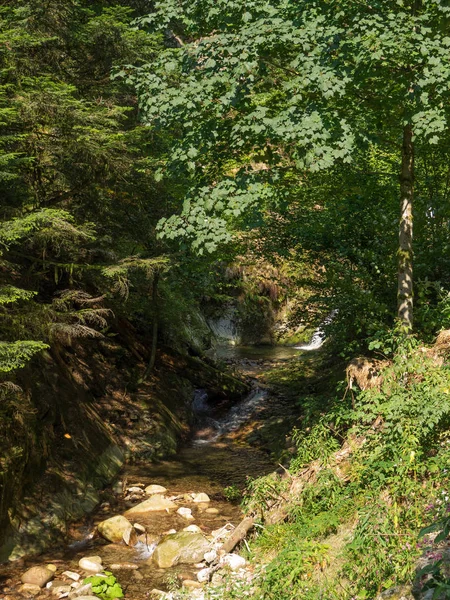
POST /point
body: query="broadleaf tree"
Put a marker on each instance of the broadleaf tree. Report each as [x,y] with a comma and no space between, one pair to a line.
[258,92]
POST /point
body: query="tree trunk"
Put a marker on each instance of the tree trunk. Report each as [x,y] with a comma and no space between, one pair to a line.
[405,251]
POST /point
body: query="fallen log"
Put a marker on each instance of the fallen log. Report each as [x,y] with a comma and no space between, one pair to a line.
[237,536]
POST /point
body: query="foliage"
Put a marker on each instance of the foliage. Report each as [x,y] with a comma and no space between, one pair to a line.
[105,586]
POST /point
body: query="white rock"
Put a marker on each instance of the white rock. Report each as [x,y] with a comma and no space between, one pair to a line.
[139,527]
[193,528]
[135,490]
[210,556]
[204,575]
[155,489]
[72,575]
[202,497]
[186,513]
[91,563]
[234,561]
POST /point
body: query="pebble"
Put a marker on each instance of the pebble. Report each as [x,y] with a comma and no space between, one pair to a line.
[91,563]
[139,527]
[193,529]
[201,498]
[158,593]
[204,575]
[212,511]
[155,489]
[138,576]
[135,490]
[72,575]
[186,513]
[52,567]
[234,561]
[30,589]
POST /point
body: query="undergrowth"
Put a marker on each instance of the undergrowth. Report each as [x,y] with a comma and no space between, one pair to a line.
[353,530]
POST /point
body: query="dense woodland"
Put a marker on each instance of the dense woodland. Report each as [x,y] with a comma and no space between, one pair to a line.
[159,159]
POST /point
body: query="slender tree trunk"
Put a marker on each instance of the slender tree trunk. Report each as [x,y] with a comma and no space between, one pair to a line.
[405,251]
[151,362]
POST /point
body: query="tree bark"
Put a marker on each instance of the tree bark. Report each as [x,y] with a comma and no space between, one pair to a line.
[405,251]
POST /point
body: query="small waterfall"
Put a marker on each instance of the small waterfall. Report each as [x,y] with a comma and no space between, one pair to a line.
[238,415]
[319,336]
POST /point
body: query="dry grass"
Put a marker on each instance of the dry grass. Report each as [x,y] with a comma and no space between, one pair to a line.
[366,373]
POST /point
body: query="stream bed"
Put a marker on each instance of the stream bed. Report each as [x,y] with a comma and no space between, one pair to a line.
[216,458]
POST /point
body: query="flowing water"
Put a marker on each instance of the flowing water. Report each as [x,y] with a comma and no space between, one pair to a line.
[214,459]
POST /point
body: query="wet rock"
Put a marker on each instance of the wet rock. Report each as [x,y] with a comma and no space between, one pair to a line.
[233,561]
[155,489]
[52,567]
[156,502]
[182,547]
[37,576]
[201,498]
[193,529]
[212,511]
[92,564]
[29,589]
[115,528]
[72,575]
[186,513]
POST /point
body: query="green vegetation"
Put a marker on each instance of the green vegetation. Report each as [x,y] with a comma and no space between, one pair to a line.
[105,586]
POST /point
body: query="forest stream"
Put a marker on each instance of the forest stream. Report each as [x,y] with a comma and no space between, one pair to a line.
[217,456]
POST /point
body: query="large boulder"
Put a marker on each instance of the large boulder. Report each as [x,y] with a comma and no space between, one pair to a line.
[154,503]
[182,547]
[37,576]
[115,528]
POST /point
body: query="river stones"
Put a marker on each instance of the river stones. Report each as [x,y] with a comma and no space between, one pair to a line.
[182,547]
[212,511]
[155,489]
[192,529]
[115,528]
[93,564]
[186,513]
[201,498]
[37,576]
[154,503]
[233,561]
[30,590]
